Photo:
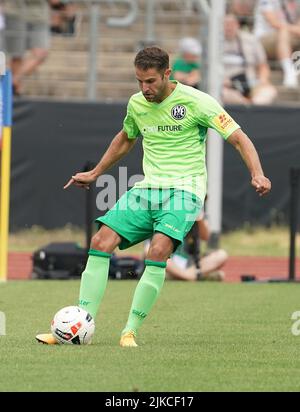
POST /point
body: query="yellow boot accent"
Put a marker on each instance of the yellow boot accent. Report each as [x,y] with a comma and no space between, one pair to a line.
[46,338]
[127,340]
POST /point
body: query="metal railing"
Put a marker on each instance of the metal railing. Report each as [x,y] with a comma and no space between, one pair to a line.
[104,29]
[101,28]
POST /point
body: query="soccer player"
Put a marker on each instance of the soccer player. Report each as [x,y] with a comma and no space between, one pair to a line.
[173,119]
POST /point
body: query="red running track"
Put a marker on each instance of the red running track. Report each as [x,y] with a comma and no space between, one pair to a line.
[263,268]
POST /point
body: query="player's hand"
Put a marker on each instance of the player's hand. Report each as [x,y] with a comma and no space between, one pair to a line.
[261,184]
[81,180]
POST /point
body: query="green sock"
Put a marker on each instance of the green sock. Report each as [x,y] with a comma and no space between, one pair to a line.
[94,281]
[145,294]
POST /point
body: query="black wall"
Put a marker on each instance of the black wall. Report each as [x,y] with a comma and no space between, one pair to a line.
[52,140]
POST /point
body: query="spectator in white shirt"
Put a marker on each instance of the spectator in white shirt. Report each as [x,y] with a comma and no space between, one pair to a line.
[277,28]
[246,69]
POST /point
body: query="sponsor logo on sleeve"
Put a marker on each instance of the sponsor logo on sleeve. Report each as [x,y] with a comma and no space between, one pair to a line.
[223,121]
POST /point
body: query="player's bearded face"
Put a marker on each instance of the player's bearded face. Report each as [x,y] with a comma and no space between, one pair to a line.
[152,83]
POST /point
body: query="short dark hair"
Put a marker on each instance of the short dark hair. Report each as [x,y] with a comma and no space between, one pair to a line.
[152,57]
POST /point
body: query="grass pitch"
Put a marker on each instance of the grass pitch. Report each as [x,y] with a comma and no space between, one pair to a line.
[199,337]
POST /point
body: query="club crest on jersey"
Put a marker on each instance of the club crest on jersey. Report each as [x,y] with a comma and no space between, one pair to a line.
[178,112]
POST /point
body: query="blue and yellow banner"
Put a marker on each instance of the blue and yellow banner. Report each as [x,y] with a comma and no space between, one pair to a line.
[6,119]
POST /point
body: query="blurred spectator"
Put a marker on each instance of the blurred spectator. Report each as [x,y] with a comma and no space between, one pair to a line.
[2,26]
[27,28]
[182,264]
[277,25]
[243,10]
[247,73]
[63,17]
[186,67]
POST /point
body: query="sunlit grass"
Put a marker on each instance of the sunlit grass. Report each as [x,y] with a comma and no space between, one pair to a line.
[198,337]
[259,242]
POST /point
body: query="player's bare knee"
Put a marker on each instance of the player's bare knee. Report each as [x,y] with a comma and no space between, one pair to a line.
[98,242]
[105,240]
[95,242]
[158,253]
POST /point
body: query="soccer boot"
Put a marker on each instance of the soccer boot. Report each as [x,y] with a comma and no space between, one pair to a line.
[127,340]
[46,338]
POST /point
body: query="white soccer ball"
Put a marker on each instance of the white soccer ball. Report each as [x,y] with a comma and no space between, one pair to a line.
[73,325]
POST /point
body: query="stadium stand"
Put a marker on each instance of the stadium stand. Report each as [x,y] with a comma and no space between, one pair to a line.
[64,74]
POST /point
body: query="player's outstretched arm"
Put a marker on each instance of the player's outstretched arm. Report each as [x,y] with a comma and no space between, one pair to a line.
[250,156]
[118,148]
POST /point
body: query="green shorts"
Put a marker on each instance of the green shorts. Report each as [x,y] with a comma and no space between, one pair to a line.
[140,213]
